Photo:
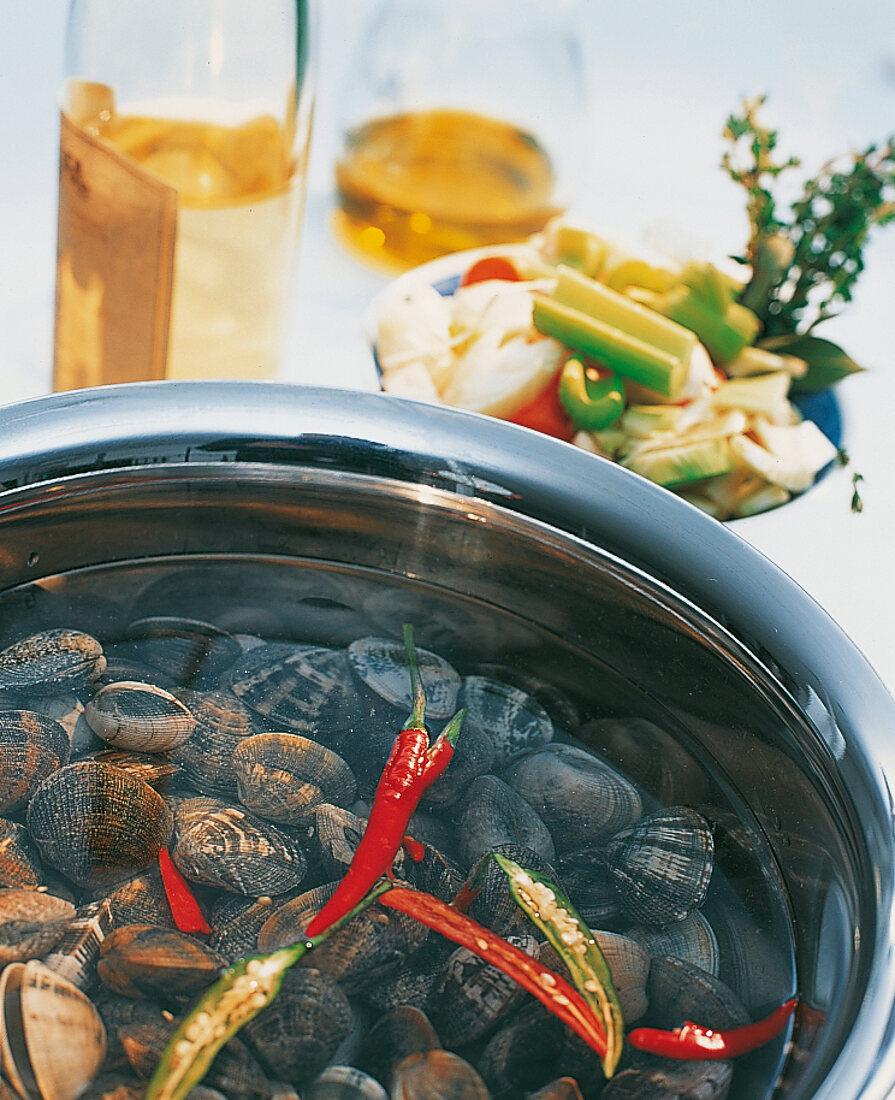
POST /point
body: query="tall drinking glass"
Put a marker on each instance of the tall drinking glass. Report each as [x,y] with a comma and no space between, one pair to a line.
[183,154]
[464,125]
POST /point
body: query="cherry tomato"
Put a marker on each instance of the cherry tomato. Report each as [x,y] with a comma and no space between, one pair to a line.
[545,414]
[490,267]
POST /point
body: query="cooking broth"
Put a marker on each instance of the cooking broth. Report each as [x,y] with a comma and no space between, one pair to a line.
[215,628]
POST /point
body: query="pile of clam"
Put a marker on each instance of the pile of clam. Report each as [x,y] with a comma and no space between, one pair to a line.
[254,763]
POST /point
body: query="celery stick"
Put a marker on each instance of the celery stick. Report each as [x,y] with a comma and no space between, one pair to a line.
[761,394]
[619,311]
[682,464]
[724,335]
[642,420]
[630,356]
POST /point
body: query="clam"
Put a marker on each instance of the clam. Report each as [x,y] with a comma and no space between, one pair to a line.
[516,722]
[580,798]
[344,1083]
[283,776]
[31,923]
[75,953]
[691,939]
[437,1075]
[412,984]
[563,1088]
[305,689]
[589,885]
[139,960]
[52,1037]
[205,758]
[156,770]
[31,747]
[139,717]
[236,920]
[473,995]
[19,858]
[225,846]
[662,865]
[525,1053]
[140,900]
[375,942]
[380,665]
[679,991]
[297,1035]
[397,1033]
[191,652]
[492,814]
[333,838]
[97,824]
[51,661]
[671,1081]
[68,710]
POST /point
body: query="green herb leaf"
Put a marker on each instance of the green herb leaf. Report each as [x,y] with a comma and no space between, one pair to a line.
[827,362]
[245,989]
[553,913]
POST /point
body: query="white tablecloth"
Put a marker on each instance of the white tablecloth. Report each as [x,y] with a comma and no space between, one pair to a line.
[662,79]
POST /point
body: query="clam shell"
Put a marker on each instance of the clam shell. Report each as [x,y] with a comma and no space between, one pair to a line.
[437,1075]
[141,900]
[492,813]
[60,1040]
[236,921]
[579,797]
[297,1035]
[139,717]
[589,886]
[563,1088]
[691,939]
[31,923]
[50,662]
[97,824]
[305,689]
[373,943]
[473,995]
[662,865]
[206,757]
[188,651]
[283,776]
[670,1081]
[679,991]
[156,770]
[31,747]
[525,1053]
[344,1083]
[75,953]
[396,1034]
[380,664]
[225,846]
[516,722]
[140,960]
[20,864]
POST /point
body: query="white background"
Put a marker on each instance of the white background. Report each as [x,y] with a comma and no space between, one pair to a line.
[662,78]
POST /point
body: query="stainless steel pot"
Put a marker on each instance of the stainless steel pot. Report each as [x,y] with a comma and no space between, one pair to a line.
[649,603]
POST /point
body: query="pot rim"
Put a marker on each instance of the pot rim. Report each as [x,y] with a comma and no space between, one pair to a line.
[584,496]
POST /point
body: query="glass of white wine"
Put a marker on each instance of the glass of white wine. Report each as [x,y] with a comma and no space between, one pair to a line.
[464,125]
[183,150]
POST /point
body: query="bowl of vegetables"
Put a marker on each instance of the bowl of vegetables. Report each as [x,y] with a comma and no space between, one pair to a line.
[708,379]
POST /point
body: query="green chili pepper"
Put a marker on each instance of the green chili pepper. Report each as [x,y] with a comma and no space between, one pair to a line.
[593,402]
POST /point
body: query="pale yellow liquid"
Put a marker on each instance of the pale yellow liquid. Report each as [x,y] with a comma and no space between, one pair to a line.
[418,185]
[240,194]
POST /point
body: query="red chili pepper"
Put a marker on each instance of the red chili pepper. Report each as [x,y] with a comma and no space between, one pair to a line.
[184,907]
[490,267]
[412,767]
[414,848]
[550,989]
[694,1043]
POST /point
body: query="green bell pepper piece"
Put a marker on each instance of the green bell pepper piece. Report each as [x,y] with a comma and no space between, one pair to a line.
[593,403]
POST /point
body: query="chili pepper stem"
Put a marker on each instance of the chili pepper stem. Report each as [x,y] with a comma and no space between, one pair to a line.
[417,718]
